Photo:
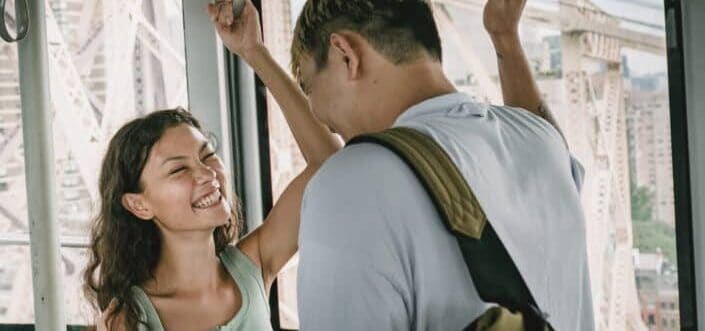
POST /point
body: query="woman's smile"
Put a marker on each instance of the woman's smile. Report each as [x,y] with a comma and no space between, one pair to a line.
[211,200]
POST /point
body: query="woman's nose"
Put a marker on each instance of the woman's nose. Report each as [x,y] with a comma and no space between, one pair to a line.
[204,173]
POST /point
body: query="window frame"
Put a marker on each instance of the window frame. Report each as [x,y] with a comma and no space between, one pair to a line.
[681,165]
[214,107]
[687,69]
[250,135]
[40,182]
[265,182]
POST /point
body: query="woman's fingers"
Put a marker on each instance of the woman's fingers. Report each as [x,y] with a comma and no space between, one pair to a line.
[212,12]
[102,321]
[221,12]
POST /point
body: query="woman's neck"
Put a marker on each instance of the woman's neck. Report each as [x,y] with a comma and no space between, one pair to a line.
[188,265]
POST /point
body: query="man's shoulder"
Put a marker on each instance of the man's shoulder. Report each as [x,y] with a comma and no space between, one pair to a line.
[527,120]
[361,176]
[357,163]
[355,191]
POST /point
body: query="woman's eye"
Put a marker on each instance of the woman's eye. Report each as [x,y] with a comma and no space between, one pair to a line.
[208,156]
[177,170]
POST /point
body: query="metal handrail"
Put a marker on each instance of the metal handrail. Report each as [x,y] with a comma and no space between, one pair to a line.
[22,239]
[21,20]
[37,134]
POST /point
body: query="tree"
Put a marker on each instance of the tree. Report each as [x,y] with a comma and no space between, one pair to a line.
[649,233]
[642,204]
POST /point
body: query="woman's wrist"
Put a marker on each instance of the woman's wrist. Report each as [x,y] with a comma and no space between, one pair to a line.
[254,54]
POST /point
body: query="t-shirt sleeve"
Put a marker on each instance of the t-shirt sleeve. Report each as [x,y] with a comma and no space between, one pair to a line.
[578,172]
[349,275]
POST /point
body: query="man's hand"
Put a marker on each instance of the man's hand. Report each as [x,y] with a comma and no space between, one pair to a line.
[501,17]
[519,89]
[241,35]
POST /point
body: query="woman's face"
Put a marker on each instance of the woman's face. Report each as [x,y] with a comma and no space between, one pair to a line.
[184,183]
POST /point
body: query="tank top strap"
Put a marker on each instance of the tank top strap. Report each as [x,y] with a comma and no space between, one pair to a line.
[148,313]
[246,273]
[254,313]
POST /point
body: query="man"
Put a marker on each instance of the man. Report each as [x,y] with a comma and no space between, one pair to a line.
[374,254]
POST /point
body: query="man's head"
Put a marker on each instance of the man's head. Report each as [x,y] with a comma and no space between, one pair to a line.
[343,50]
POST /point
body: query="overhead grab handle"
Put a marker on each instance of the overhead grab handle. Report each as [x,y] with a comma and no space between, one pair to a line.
[21,21]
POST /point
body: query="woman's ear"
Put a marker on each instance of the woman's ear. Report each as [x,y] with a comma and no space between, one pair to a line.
[134,202]
[342,46]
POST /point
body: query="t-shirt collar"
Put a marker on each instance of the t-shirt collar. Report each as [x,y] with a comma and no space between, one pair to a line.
[445,102]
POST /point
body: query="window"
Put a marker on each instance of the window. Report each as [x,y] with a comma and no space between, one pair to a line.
[15,283]
[285,158]
[15,267]
[109,62]
[586,78]
[612,102]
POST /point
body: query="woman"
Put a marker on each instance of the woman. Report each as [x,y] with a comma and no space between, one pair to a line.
[161,245]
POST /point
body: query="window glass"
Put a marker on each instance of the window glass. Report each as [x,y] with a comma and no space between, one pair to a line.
[77,309]
[285,158]
[16,300]
[15,267]
[611,99]
[109,61]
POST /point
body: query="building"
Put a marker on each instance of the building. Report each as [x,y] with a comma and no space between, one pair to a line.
[657,282]
[649,127]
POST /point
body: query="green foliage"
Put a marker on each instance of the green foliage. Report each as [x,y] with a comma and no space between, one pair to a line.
[642,204]
[649,233]
[650,236]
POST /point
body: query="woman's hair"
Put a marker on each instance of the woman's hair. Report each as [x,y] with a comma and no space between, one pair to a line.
[125,249]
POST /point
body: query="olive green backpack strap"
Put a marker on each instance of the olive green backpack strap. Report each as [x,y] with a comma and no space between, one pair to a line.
[492,270]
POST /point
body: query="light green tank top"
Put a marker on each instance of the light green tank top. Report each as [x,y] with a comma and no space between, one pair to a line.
[254,312]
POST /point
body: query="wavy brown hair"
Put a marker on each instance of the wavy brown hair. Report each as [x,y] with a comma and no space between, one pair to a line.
[124,249]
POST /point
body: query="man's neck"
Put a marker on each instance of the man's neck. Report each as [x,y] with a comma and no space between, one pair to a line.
[398,89]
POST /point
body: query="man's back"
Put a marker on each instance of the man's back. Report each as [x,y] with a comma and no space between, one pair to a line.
[375,255]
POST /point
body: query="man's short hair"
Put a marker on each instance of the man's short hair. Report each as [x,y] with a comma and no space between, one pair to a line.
[401,30]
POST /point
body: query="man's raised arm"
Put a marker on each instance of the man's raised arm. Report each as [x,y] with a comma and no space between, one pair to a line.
[519,89]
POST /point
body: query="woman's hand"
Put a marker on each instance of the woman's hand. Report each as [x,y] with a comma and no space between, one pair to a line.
[501,18]
[117,322]
[241,35]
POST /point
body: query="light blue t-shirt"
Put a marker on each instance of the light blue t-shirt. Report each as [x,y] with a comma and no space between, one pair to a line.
[374,254]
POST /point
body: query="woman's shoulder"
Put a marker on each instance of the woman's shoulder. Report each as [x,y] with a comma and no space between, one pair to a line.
[249,246]
[246,273]
[240,257]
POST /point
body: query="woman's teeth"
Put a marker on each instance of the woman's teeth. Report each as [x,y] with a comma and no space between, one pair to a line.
[208,201]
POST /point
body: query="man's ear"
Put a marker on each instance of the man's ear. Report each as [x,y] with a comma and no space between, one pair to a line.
[135,204]
[341,45]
